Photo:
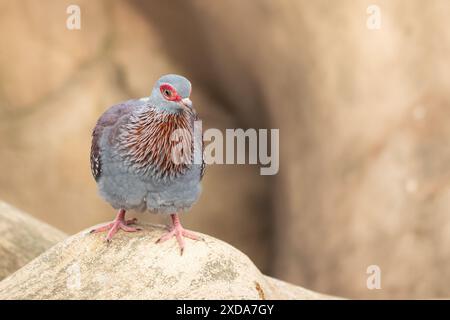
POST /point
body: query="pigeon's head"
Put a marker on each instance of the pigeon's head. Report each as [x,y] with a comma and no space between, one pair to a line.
[171,94]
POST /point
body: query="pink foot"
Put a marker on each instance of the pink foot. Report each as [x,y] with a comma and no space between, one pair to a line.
[118,223]
[179,232]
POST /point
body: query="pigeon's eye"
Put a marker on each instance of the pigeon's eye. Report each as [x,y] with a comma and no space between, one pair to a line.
[168,92]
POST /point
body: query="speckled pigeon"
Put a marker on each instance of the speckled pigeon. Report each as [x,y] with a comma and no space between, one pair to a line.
[135,162]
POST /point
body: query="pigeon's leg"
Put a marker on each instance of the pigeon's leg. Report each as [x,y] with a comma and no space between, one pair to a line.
[179,232]
[118,223]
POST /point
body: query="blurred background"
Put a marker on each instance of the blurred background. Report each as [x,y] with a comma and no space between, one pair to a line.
[364,119]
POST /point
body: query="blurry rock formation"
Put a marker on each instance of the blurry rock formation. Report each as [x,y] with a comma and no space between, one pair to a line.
[133,266]
[363,116]
[22,238]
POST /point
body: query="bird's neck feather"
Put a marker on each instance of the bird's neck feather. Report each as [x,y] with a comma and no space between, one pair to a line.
[148,139]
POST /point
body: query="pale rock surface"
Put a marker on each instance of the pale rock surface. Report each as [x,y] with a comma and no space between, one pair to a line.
[22,238]
[133,266]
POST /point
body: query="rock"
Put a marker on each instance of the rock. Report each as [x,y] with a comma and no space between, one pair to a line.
[133,266]
[286,291]
[22,238]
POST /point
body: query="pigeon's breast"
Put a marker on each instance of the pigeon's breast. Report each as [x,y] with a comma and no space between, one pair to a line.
[136,178]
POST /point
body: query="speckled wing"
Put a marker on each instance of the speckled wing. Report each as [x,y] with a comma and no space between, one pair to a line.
[108,119]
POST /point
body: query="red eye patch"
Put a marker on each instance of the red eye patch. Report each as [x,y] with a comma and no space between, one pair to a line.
[169,92]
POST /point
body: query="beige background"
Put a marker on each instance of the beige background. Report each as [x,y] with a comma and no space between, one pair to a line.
[363,115]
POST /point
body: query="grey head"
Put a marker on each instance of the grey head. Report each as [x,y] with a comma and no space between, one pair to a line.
[171,94]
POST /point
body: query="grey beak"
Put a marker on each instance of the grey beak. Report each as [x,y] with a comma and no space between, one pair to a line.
[187,102]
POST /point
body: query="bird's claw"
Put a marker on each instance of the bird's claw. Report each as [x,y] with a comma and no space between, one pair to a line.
[180,233]
[131,221]
[114,226]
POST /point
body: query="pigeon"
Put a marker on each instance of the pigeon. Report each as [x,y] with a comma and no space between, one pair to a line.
[144,157]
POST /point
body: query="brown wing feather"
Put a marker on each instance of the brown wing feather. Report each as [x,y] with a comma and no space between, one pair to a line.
[109,118]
